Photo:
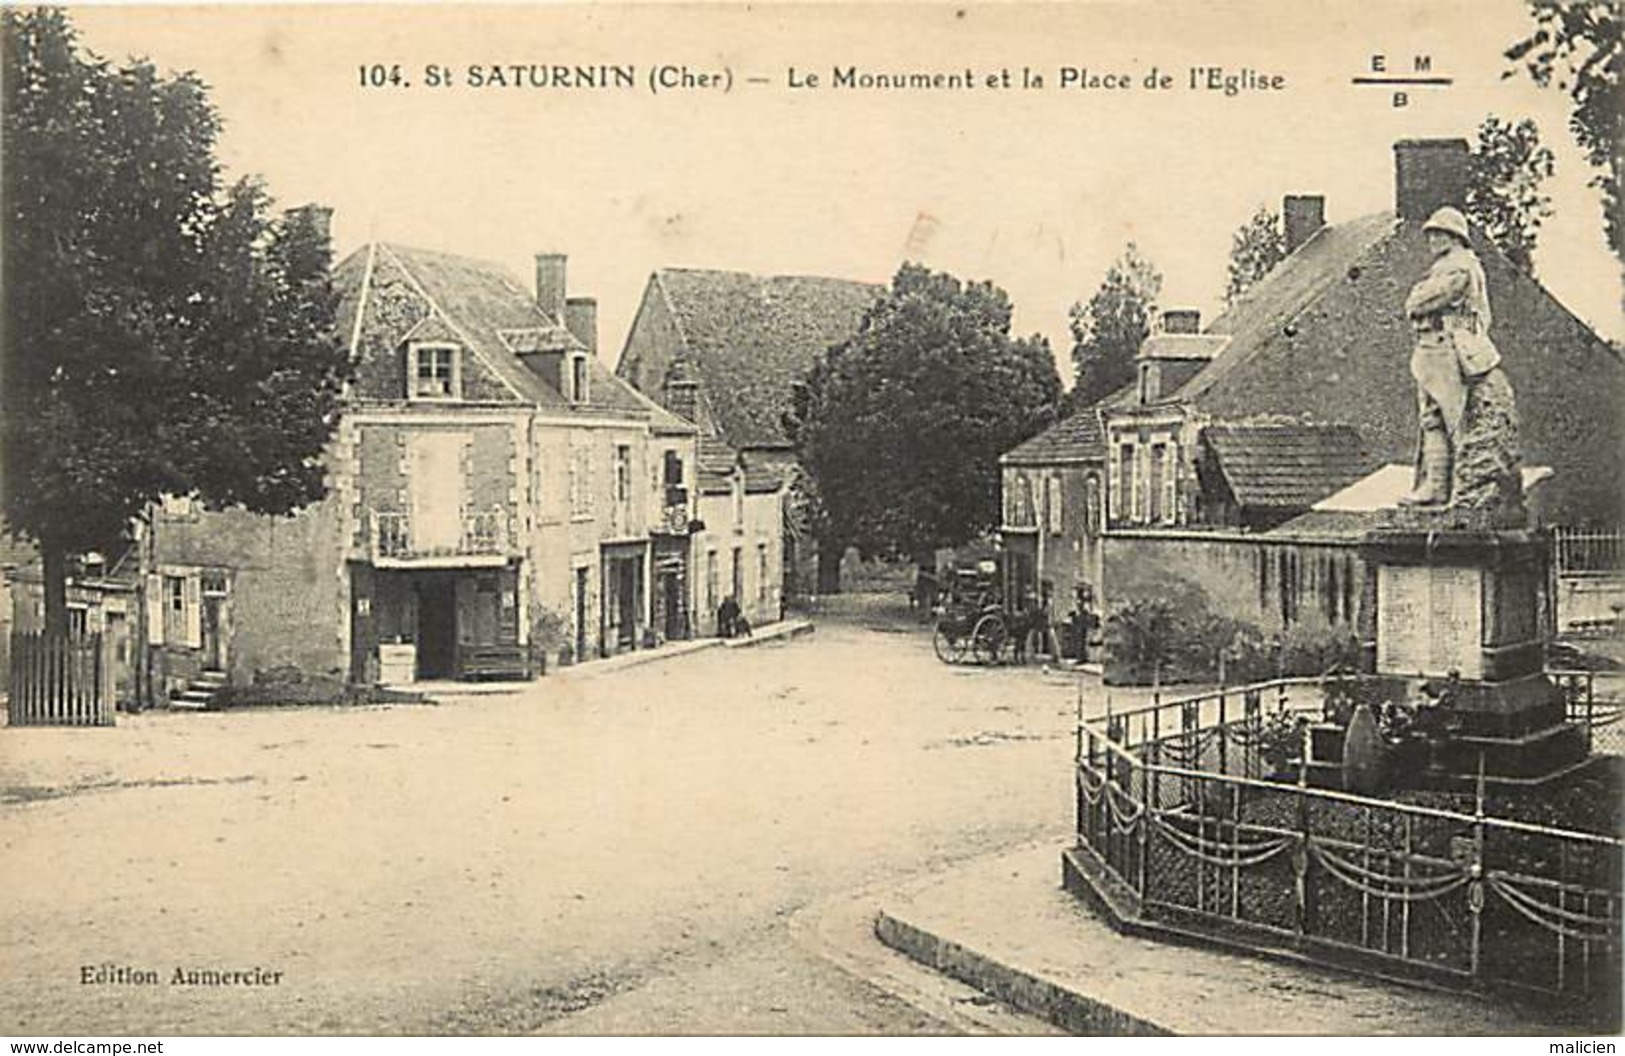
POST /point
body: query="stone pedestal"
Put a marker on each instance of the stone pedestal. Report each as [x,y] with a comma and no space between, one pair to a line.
[1470,602]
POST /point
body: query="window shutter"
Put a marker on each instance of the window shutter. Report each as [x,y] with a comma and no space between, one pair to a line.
[1114,483]
[194,612]
[155,610]
[1170,485]
[1142,481]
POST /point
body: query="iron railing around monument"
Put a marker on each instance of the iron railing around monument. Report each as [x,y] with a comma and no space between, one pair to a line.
[1595,701]
[1177,823]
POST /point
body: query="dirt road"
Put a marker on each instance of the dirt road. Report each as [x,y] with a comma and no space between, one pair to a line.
[603,851]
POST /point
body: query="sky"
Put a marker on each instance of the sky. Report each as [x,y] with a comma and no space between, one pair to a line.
[1037,189]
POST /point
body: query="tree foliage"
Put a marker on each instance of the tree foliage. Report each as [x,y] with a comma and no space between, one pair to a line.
[1107,330]
[1504,174]
[163,335]
[900,427]
[1256,247]
[1577,46]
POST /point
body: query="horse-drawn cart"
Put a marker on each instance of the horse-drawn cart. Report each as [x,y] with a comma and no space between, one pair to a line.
[976,621]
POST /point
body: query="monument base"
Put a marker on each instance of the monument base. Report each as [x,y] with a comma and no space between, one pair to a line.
[1465,612]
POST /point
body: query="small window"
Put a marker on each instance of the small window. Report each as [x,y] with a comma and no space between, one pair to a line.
[674,469]
[623,473]
[175,593]
[436,373]
[578,379]
[214,584]
[78,620]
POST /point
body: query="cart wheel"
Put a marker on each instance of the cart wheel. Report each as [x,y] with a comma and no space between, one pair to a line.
[988,639]
[950,647]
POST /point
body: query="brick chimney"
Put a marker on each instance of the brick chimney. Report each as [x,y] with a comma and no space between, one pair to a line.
[1301,216]
[682,392]
[581,319]
[1182,321]
[1428,174]
[550,284]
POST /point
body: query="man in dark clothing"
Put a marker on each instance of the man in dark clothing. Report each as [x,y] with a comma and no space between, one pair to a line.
[728,618]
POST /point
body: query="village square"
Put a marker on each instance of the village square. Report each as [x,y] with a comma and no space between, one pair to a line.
[397,641]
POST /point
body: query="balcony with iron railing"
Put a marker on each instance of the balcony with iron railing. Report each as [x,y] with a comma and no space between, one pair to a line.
[485,538]
[675,516]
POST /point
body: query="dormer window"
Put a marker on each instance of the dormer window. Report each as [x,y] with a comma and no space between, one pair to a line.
[578,378]
[1150,382]
[436,372]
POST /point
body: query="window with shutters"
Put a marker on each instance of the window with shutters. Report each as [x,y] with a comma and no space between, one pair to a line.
[1154,490]
[1123,490]
[1170,485]
[623,473]
[175,609]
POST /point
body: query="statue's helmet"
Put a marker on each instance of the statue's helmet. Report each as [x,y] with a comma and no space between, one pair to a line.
[1450,221]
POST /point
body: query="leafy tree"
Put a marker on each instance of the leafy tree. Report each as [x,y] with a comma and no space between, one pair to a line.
[162,336]
[1504,176]
[901,426]
[1108,329]
[1577,45]
[1255,248]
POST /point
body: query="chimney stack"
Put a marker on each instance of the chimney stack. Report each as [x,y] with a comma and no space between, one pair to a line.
[1301,216]
[550,284]
[581,319]
[1182,321]
[1429,174]
[682,392]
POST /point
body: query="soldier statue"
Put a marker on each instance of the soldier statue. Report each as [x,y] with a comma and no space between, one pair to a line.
[1467,456]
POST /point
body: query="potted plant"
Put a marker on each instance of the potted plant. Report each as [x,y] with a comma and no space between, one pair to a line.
[1280,740]
[548,632]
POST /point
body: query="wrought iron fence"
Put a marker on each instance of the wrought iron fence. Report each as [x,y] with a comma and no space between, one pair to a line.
[1588,552]
[1595,700]
[483,533]
[1172,810]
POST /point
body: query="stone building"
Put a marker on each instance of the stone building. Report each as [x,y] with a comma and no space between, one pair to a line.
[498,500]
[724,350]
[1231,433]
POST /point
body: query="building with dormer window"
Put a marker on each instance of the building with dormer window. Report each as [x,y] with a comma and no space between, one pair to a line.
[497,499]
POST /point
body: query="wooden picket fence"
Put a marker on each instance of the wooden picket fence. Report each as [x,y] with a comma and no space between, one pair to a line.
[57,680]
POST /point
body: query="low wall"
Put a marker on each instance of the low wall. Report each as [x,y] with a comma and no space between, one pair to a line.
[1222,581]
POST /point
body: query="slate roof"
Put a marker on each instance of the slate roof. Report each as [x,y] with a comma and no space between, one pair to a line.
[1290,287]
[1079,437]
[717,460]
[1289,465]
[752,337]
[497,318]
